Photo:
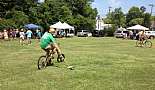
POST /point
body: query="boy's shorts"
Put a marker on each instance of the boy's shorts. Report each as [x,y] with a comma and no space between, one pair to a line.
[49,46]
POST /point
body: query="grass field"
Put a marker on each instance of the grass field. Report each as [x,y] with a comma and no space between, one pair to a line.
[100,64]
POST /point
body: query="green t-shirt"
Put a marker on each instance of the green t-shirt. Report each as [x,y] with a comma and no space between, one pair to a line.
[46,39]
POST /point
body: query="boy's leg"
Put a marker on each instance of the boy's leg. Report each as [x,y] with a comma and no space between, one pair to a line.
[48,56]
[56,48]
[47,50]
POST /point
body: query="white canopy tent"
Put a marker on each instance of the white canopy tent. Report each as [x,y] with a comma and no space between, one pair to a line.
[68,29]
[138,27]
[121,29]
[64,28]
[58,25]
[67,26]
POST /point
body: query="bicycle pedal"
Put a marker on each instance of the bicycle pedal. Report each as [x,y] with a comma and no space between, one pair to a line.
[52,57]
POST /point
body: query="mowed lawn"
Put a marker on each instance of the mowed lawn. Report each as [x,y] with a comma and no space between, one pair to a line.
[99,64]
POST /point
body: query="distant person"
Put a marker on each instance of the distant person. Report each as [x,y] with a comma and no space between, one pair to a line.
[135,35]
[10,34]
[39,34]
[14,34]
[62,33]
[125,35]
[131,34]
[142,36]
[17,33]
[6,37]
[1,35]
[29,36]
[22,36]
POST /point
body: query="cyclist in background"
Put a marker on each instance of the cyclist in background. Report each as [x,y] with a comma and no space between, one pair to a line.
[142,36]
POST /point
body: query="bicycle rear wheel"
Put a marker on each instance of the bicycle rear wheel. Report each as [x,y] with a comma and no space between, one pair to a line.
[148,44]
[42,63]
[138,43]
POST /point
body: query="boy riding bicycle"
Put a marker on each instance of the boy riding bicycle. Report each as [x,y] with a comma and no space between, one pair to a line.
[142,36]
[48,43]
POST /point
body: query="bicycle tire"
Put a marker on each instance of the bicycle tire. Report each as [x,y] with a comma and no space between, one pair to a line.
[61,59]
[42,62]
[148,44]
[138,43]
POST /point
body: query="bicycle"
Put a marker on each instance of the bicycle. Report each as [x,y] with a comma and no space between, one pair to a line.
[46,60]
[147,43]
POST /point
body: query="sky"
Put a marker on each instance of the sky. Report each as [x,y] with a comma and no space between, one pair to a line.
[102,5]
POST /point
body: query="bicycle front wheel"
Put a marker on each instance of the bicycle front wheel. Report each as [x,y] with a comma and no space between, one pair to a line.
[148,44]
[42,63]
[61,58]
[138,43]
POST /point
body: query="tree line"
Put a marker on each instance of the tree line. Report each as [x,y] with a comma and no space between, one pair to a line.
[17,13]
[78,13]
[134,16]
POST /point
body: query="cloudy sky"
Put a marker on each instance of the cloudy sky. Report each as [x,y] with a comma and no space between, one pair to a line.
[102,5]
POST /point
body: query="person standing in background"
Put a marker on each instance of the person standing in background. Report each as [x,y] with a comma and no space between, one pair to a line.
[22,36]
[14,34]
[6,35]
[29,36]
[39,34]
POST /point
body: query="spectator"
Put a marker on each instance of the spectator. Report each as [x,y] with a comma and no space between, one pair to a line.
[1,35]
[29,36]
[131,34]
[10,34]
[14,34]
[39,34]
[6,35]
[17,33]
[22,36]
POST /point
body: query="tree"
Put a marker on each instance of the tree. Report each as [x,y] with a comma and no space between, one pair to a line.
[147,20]
[136,21]
[138,16]
[133,13]
[75,12]
[83,14]
[116,17]
[5,6]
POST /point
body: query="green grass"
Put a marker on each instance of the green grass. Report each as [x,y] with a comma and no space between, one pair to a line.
[100,64]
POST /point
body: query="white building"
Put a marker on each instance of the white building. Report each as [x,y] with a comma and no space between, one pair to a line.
[41,1]
[100,25]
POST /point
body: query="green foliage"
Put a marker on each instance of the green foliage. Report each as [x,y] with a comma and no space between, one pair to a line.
[73,12]
[109,31]
[152,18]
[7,23]
[5,6]
[109,19]
[136,21]
[133,16]
[116,17]
[19,18]
[147,20]
[14,19]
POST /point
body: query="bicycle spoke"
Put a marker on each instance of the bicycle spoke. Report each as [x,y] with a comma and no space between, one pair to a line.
[148,44]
